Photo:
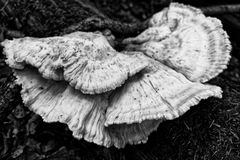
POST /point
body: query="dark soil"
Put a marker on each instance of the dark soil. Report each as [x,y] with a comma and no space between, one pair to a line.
[209,131]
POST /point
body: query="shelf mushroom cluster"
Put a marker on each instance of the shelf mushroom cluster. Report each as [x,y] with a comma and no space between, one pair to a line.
[114,98]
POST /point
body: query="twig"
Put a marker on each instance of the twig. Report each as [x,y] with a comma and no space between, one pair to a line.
[221,9]
[5,4]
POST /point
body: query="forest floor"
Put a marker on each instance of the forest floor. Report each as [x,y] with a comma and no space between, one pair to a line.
[209,131]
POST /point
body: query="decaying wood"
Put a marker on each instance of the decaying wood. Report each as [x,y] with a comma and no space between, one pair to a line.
[57,17]
[117,27]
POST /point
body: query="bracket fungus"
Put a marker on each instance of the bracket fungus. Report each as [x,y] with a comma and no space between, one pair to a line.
[184,39]
[114,98]
[85,60]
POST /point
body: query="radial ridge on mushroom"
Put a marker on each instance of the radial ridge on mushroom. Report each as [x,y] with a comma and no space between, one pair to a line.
[114,98]
[184,39]
[159,93]
[56,101]
[84,114]
[85,60]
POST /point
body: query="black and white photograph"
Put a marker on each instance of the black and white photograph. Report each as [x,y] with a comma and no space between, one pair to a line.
[119,80]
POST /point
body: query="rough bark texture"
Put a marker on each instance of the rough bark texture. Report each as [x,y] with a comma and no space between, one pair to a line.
[210,130]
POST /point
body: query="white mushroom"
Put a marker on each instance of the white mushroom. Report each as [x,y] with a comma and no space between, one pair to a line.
[135,133]
[57,101]
[159,93]
[175,13]
[133,111]
[85,60]
[84,114]
[185,40]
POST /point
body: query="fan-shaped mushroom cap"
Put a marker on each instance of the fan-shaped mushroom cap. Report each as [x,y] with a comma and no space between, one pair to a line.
[84,114]
[175,13]
[57,101]
[159,93]
[85,60]
[187,41]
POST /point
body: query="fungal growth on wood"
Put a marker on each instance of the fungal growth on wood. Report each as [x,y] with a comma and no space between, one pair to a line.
[85,60]
[116,98]
[184,39]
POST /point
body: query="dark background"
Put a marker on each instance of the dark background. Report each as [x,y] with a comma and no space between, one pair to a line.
[210,130]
